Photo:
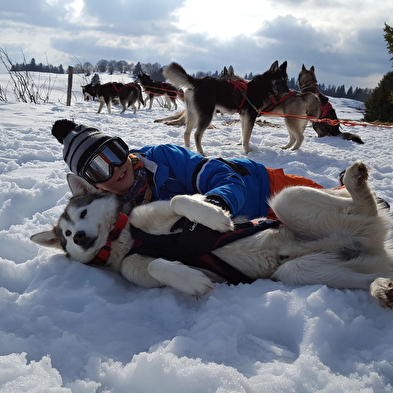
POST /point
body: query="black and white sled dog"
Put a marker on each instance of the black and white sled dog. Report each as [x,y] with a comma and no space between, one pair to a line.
[180,118]
[307,82]
[153,88]
[127,94]
[331,237]
[105,93]
[205,95]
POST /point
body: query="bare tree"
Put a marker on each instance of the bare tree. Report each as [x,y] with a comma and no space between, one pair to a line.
[25,88]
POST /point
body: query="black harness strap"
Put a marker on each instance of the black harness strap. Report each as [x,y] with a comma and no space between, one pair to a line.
[166,246]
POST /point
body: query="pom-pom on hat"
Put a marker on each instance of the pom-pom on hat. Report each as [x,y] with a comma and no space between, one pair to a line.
[80,142]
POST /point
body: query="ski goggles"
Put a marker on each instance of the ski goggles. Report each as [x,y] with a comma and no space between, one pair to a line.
[99,167]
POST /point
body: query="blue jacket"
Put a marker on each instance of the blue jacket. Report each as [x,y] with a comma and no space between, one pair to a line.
[242,183]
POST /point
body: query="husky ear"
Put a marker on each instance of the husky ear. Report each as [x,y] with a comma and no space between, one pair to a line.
[79,186]
[46,239]
[231,71]
[303,68]
[283,66]
[274,66]
[312,68]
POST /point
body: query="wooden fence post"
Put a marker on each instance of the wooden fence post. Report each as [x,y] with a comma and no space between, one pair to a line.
[69,88]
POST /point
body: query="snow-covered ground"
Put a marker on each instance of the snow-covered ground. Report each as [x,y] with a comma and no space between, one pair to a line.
[66,327]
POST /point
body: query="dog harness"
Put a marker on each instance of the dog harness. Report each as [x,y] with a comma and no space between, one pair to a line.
[101,258]
[240,88]
[168,247]
[326,106]
[275,102]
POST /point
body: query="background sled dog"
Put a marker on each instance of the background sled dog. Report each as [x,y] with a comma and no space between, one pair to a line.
[153,88]
[180,118]
[308,83]
[129,94]
[105,93]
[329,237]
[203,96]
[296,107]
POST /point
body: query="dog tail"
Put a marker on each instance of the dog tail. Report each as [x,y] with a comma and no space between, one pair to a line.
[325,129]
[351,137]
[176,74]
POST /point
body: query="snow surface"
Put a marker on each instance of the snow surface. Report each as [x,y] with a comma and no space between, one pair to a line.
[66,327]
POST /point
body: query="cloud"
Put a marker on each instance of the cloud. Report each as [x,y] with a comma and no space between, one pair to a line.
[341,47]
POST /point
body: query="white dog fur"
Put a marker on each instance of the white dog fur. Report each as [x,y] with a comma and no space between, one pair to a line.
[329,237]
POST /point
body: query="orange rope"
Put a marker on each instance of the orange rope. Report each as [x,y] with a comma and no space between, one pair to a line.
[331,122]
[316,120]
[147,91]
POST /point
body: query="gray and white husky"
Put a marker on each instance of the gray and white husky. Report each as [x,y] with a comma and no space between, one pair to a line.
[331,237]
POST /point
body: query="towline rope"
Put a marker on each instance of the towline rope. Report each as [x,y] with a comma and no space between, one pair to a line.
[332,122]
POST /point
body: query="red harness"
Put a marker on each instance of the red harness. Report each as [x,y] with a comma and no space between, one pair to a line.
[240,87]
[324,108]
[165,246]
[105,252]
[275,102]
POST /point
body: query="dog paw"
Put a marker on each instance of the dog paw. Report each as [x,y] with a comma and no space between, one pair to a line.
[356,175]
[196,209]
[382,290]
[181,277]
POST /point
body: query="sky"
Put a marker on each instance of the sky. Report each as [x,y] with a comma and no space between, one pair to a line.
[342,39]
[70,328]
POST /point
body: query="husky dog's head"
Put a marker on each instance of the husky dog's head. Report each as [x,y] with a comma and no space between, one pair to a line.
[144,78]
[84,226]
[307,78]
[279,78]
[88,91]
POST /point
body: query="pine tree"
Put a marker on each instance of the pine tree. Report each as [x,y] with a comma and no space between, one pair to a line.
[380,106]
[388,36]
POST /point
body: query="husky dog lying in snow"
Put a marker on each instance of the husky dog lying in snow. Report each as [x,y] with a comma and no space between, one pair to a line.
[331,237]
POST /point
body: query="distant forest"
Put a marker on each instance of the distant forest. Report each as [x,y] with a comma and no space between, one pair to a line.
[155,71]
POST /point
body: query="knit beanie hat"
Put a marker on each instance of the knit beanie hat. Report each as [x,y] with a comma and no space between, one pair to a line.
[80,142]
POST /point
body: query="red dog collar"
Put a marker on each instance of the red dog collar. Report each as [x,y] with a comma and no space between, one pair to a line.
[105,252]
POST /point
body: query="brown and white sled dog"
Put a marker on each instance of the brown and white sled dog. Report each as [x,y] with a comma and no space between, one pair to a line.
[205,95]
[331,237]
[297,108]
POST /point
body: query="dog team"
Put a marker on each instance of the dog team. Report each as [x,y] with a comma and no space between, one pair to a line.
[266,94]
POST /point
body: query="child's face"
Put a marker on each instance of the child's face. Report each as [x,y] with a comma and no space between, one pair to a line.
[121,181]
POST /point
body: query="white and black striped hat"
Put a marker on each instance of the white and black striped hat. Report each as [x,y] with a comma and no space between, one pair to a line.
[80,142]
